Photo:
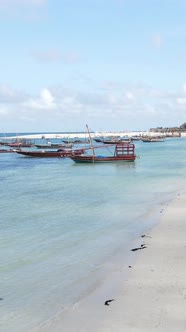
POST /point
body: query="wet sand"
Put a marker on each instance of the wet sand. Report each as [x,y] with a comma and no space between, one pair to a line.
[148,291]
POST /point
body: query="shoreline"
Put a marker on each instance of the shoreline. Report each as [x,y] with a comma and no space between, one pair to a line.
[154,297]
[149,290]
[85,135]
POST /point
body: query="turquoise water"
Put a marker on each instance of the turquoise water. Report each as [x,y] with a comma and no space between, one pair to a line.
[62,222]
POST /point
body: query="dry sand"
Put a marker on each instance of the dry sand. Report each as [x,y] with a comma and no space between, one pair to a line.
[84,135]
[152,292]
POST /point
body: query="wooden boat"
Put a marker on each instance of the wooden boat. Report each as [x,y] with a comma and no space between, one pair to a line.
[20,144]
[98,140]
[116,141]
[53,146]
[62,153]
[3,143]
[6,150]
[77,141]
[122,153]
[113,140]
[150,140]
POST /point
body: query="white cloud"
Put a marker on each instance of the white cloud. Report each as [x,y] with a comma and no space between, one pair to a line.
[3,110]
[157,41]
[181,101]
[184,88]
[47,56]
[134,107]
[54,55]
[43,102]
[129,95]
[47,97]
[10,95]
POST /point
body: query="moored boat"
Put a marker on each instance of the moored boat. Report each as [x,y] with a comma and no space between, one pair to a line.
[53,146]
[99,159]
[98,140]
[150,140]
[76,141]
[20,144]
[122,153]
[61,153]
[116,141]
[6,150]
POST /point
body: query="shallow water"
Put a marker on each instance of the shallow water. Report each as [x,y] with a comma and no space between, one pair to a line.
[61,222]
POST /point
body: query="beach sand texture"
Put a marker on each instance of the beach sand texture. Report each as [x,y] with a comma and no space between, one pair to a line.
[154,297]
[153,293]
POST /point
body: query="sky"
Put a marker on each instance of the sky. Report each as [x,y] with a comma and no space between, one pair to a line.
[116,65]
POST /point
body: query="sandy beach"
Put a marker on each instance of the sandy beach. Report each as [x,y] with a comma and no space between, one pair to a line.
[85,135]
[154,296]
[148,291]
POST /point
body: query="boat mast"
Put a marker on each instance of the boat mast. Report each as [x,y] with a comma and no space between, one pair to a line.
[92,147]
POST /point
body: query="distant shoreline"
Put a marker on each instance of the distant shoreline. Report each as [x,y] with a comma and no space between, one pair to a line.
[43,135]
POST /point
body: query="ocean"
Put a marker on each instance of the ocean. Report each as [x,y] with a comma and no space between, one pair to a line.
[61,223]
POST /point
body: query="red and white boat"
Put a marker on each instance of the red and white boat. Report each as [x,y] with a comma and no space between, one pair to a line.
[123,152]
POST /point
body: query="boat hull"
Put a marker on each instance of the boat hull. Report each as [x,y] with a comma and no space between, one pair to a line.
[122,153]
[6,151]
[100,160]
[53,146]
[51,154]
[152,140]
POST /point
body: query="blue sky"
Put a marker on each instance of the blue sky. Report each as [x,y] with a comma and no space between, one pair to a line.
[114,64]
